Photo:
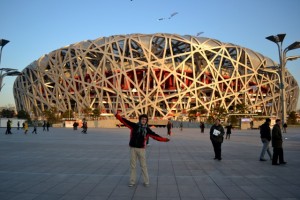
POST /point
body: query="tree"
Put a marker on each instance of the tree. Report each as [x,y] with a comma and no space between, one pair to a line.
[234,120]
[241,108]
[292,119]
[96,113]
[22,114]
[67,114]
[87,111]
[192,114]
[52,115]
[7,113]
[201,110]
[218,112]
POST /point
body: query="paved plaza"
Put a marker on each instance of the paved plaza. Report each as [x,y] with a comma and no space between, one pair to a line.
[66,164]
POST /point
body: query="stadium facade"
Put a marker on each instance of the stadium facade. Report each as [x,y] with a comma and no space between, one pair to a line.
[162,75]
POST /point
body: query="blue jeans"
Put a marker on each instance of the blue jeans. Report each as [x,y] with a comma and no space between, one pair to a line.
[265,148]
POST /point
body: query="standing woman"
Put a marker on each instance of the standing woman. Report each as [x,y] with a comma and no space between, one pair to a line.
[216,137]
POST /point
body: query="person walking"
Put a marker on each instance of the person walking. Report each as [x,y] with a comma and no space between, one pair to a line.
[8,127]
[18,125]
[139,133]
[44,125]
[181,126]
[84,127]
[48,125]
[277,144]
[228,131]
[202,126]
[284,127]
[169,127]
[25,127]
[216,137]
[34,127]
[265,135]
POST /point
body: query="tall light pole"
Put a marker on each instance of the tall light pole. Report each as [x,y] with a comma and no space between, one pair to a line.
[3,42]
[278,40]
[7,71]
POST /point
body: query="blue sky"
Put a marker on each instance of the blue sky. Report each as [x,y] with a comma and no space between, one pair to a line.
[37,27]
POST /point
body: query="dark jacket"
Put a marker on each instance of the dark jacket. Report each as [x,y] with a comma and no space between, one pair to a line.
[265,131]
[139,134]
[276,136]
[228,129]
[169,125]
[218,138]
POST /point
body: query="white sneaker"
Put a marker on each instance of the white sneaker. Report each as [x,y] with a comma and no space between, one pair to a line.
[131,184]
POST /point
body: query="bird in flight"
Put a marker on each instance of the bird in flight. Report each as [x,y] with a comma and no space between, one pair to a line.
[199,33]
[171,16]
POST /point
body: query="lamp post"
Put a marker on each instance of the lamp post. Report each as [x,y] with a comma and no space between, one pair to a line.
[7,72]
[276,72]
[3,42]
[278,40]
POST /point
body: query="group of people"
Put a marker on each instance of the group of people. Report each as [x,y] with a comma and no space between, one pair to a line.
[46,126]
[267,135]
[273,136]
[228,129]
[140,133]
[84,126]
[139,138]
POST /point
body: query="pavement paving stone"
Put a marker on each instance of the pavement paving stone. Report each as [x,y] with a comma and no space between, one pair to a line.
[63,164]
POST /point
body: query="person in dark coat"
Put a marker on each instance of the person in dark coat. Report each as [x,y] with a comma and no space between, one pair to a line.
[202,126]
[84,127]
[181,126]
[34,127]
[75,125]
[265,136]
[44,125]
[139,133]
[216,136]
[8,127]
[277,144]
[228,131]
[169,127]
[284,127]
[48,125]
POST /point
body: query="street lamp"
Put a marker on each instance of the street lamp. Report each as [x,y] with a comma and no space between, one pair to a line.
[278,39]
[273,70]
[7,72]
[3,42]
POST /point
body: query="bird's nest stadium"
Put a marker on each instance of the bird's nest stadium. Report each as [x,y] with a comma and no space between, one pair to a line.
[162,75]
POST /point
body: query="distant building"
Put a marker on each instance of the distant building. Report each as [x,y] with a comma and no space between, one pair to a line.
[13,108]
[163,75]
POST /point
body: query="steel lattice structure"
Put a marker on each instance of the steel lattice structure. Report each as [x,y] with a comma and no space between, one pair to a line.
[158,74]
